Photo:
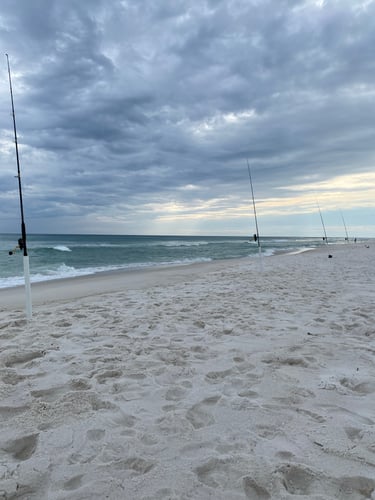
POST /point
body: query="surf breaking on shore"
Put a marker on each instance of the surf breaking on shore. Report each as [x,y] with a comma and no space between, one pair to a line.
[66,256]
[214,381]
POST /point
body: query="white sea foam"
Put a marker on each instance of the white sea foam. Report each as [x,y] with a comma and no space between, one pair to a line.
[181,243]
[62,248]
[64,271]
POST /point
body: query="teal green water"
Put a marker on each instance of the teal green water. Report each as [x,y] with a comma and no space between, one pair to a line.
[61,256]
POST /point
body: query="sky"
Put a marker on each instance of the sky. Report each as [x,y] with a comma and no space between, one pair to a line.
[139,117]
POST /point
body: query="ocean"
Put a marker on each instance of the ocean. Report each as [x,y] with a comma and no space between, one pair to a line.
[63,256]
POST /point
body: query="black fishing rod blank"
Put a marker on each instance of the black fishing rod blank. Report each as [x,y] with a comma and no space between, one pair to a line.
[22,242]
[324,228]
[256,236]
[346,230]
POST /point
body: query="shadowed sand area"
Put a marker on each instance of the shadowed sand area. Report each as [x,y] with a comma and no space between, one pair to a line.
[211,381]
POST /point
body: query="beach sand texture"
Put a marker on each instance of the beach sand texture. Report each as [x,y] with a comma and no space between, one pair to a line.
[214,382]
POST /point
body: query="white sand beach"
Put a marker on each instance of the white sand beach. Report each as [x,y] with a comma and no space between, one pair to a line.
[211,381]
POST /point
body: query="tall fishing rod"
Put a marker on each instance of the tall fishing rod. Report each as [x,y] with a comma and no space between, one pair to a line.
[256,236]
[346,231]
[324,228]
[22,242]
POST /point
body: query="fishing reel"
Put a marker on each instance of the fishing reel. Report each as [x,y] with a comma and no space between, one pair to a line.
[19,246]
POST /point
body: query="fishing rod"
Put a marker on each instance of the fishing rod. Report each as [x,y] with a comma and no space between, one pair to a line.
[22,242]
[256,236]
[346,231]
[324,228]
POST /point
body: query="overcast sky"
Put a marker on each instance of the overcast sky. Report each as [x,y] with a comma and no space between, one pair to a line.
[138,116]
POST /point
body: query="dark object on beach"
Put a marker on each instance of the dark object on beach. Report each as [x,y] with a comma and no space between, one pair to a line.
[330,256]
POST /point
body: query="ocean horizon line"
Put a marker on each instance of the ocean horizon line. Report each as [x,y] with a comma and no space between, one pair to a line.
[170,235]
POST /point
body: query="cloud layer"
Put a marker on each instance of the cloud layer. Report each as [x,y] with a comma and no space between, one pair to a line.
[138,116]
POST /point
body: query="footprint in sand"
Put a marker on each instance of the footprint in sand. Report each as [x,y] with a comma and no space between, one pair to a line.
[137,465]
[199,324]
[122,419]
[267,431]
[103,377]
[74,483]
[176,393]
[95,434]
[212,472]
[149,439]
[80,384]
[23,447]
[173,423]
[164,494]
[8,412]
[18,323]
[294,361]
[285,455]
[63,323]
[362,437]
[344,412]
[225,474]
[173,357]
[248,393]
[353,433]
[218,376]
[357,487]
[300,480]
[10,376]
[22,357]
[311,414]
[198,415]
[200,352]
[49,395]
[254,490]
[361,387]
